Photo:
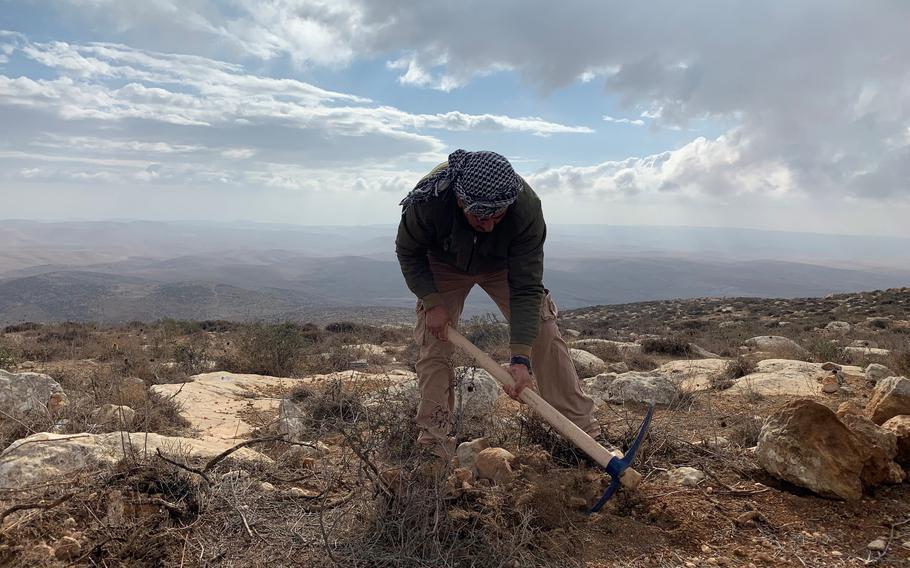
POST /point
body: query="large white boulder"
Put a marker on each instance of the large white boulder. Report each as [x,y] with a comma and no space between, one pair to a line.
[694,374]
[634,386]
[26,393]
[805,443]
[45,457]
[215,403]
[476,392]
[776,377]
[773,343]
[586,364]
[890,398]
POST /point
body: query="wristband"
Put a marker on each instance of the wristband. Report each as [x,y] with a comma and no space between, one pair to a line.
[521,360]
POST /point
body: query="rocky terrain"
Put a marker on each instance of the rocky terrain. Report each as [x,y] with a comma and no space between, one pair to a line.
[781,438]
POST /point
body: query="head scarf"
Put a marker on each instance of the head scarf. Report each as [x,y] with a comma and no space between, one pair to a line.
[484,181]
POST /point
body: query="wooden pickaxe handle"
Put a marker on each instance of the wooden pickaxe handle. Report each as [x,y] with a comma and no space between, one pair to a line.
[629,478]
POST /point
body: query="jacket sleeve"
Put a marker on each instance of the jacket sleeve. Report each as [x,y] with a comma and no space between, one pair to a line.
[526,284]
[411,245]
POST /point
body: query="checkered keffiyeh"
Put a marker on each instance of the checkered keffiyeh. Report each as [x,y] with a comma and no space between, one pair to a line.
[484,181]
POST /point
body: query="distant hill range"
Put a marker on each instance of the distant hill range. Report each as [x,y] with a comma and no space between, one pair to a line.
[138,270]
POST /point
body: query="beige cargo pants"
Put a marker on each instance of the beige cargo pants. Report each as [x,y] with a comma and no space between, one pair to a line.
[553,370]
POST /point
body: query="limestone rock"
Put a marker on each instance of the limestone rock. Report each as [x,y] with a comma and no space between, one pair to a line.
[45,457]
[618,367]
[866,352]
[693,374]
[366,349]
[876,372]
[882,445]
[292,418]
[850,407]
[774,343]
[26,393]
[622,346]
[872,433]
[702,352]
[494,464]
[686,476]
[900,427]
[804,443]
[114,415]
[476,394]
[467,451]
[863,343]
[890,398]
[775,377]
[214,403]
[634,386]
[67,548]
[586,364]
[839,327]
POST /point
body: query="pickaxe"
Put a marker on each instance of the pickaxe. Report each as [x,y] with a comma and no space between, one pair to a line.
[616,464]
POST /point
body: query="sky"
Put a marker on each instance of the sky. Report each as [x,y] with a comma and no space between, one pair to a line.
[772,115]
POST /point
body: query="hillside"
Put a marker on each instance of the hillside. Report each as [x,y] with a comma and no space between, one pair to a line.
[292,444]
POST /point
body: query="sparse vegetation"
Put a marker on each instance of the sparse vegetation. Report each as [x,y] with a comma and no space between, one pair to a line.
[355,489]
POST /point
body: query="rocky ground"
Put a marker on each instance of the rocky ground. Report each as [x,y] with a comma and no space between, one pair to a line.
[780,438]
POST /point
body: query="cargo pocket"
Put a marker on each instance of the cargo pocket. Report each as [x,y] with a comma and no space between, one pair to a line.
[548,309]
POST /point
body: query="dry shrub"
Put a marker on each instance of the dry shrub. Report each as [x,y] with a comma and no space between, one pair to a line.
[489,334]
[271,349]
[736,368]
[605,351]
[823,350]
[672,346]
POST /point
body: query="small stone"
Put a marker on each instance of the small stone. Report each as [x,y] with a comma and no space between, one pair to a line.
[494,464]
[301,492]
[749,517]
[906,544]
[266,487]
[578,503]
[686,476]
[706,549]
[67,548]
[41,551]
[234,475]
[829,366]
[877,545]
[836,553]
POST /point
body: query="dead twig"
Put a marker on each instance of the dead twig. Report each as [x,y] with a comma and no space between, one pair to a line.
[212,462]
[39,505]
[184,467]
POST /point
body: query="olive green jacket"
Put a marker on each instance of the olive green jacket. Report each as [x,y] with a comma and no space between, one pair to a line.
[438,227]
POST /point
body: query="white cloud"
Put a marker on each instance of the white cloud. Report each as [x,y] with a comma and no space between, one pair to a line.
[816,86]
[213,93]
[710,169]
[633,122]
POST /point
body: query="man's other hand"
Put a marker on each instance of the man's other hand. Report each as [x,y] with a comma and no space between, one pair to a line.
[437,319]
[522,380]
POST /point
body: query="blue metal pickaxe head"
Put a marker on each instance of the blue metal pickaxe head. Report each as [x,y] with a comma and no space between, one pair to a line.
[618,465]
